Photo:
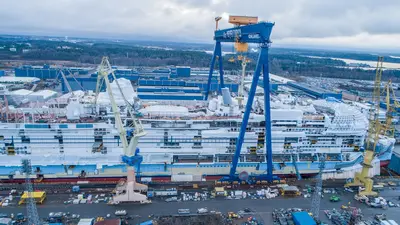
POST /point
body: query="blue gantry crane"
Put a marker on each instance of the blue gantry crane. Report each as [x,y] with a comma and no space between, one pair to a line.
[247,30]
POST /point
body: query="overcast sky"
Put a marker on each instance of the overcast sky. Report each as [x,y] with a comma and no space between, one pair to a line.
[345,23]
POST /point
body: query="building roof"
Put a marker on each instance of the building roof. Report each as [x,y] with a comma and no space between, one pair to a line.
[35,194]
[9,79]
[279,78]
[109,222]
[21,92]
[45,93]
[290,188]
[5,220]
[86,221]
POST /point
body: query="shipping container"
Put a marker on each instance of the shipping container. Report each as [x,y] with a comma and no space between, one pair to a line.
[303,218]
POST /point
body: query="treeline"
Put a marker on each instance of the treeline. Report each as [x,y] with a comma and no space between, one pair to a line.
[291,63]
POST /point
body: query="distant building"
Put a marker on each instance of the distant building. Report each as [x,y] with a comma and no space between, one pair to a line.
[13,49]
[25,50]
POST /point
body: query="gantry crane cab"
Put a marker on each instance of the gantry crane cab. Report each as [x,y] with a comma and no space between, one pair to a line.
[242,20]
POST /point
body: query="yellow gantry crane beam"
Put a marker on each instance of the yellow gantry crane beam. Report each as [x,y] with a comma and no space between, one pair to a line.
[374,131]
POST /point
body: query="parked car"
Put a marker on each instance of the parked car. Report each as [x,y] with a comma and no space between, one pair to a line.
[202,210]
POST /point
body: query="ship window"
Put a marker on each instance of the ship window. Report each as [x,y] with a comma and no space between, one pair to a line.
[84,125]
[37,126]
[63,126]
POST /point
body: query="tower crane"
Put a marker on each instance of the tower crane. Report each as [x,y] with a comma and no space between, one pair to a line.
[316,198]
[32,213]
[374,131]
[257,33]
[128,191]
[388,128]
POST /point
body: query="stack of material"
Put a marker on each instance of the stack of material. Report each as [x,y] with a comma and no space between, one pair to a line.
[350,215]
[284,216]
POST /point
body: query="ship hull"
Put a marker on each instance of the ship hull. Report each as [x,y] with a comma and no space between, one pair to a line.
[116,179]
[171,172]
[384,163]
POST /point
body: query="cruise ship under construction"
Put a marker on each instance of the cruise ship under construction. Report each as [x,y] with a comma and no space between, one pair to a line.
[76,136]
[70,137]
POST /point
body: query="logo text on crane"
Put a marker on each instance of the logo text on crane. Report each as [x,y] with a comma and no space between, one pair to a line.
[232,33]
[254,36]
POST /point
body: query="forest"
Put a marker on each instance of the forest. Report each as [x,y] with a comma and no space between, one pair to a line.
[286,62]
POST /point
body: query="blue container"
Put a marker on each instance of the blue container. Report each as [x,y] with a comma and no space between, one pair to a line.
[183,71]
[150,194]
[395,163]
[303,218]
[75,189]
[2,73]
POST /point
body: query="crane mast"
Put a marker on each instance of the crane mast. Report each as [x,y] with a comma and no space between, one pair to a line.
[128,191]
[32,213]
[388,128]
[103,72]
[66,81]
[375,129]
[316,198]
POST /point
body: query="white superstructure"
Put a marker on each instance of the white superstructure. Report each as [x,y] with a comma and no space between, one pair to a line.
[80,137]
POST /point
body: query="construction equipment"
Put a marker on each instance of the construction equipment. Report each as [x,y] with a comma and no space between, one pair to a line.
[32,213]
[258,33]
[375,129]
[316,198]
[38,197]
[217,19]
[334,198]
[128,191]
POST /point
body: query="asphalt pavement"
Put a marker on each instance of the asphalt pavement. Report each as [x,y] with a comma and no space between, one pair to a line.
[263,208]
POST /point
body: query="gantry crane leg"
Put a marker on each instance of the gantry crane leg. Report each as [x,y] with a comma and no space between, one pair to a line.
[262,63]
[217,55]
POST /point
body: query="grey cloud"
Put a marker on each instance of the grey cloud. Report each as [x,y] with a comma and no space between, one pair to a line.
[192,20]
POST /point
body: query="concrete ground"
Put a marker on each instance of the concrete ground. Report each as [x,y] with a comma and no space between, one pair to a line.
[263,208]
